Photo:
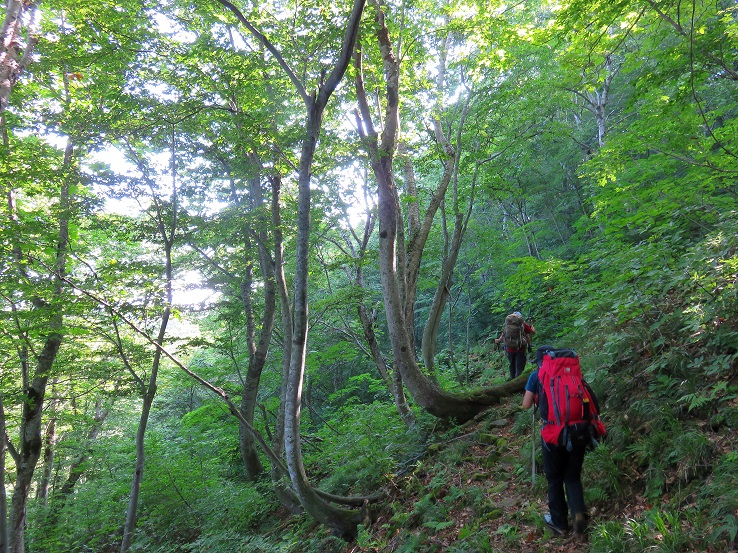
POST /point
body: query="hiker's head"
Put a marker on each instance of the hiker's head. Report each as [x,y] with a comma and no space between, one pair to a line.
[540,352]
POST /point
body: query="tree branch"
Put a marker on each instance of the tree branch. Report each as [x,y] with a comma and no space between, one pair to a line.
[269,46]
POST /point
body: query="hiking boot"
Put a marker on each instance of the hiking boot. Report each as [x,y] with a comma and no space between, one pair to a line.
[580,524]
[549,522]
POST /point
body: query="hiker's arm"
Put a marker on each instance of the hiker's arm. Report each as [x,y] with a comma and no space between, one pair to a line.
[528,399]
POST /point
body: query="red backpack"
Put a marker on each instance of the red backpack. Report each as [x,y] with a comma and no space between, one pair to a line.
[569,407]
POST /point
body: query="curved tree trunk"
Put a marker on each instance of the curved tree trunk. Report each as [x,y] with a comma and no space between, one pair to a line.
[343,522]
[398,286]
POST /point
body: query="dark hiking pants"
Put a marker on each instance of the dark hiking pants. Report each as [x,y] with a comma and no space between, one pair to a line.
[563,470]
[517,362]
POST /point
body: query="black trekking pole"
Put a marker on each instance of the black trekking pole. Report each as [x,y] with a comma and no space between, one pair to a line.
[533,448]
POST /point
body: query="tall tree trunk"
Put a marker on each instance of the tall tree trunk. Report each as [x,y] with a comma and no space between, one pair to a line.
[31,443]
[42,491]
[13,58]
[148,390]
[12,62]
[257,350]
[148,400]
[342,521]
[4,538]
[283,490]
[394,385]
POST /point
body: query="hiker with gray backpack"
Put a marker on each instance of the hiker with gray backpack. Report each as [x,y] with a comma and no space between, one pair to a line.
[516,337]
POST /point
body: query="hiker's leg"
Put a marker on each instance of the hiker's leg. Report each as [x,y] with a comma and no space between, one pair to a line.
[511,359]
[553,466]
[520,359]
[573,479]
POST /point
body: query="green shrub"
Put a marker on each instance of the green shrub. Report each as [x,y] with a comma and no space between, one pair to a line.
[719,497]
[601,476]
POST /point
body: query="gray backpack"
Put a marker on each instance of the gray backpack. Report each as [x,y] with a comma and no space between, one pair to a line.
[513,333]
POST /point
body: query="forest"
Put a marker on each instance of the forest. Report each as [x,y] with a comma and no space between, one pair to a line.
[254,257]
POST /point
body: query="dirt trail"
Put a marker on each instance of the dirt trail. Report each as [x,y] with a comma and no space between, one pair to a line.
[489,471]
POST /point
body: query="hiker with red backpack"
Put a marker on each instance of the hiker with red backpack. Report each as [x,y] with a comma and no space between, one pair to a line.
[570,425]
[516,336]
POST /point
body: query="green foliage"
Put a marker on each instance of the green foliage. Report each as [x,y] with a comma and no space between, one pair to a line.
[657,530]
[622,245]
[602,476]
[362,388]
[227,540]
[366,449]
[719,498]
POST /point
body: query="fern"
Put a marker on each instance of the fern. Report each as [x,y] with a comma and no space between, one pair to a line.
[697,400]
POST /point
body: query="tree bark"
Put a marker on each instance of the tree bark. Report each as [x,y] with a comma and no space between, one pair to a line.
[49,449]
[394,385]
[148,390]
[398,286]
[13,57]
[257,351]
[280,478]
[12,62]
[30,448]
[4,538]
[343,522]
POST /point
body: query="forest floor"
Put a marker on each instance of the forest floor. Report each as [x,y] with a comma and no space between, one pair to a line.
[493,470]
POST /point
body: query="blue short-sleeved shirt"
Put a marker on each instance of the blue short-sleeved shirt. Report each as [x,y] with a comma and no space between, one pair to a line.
[532,384]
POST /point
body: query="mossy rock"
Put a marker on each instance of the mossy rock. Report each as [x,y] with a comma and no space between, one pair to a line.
[499,488]
[494,513]
[491,459]
[487,439]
